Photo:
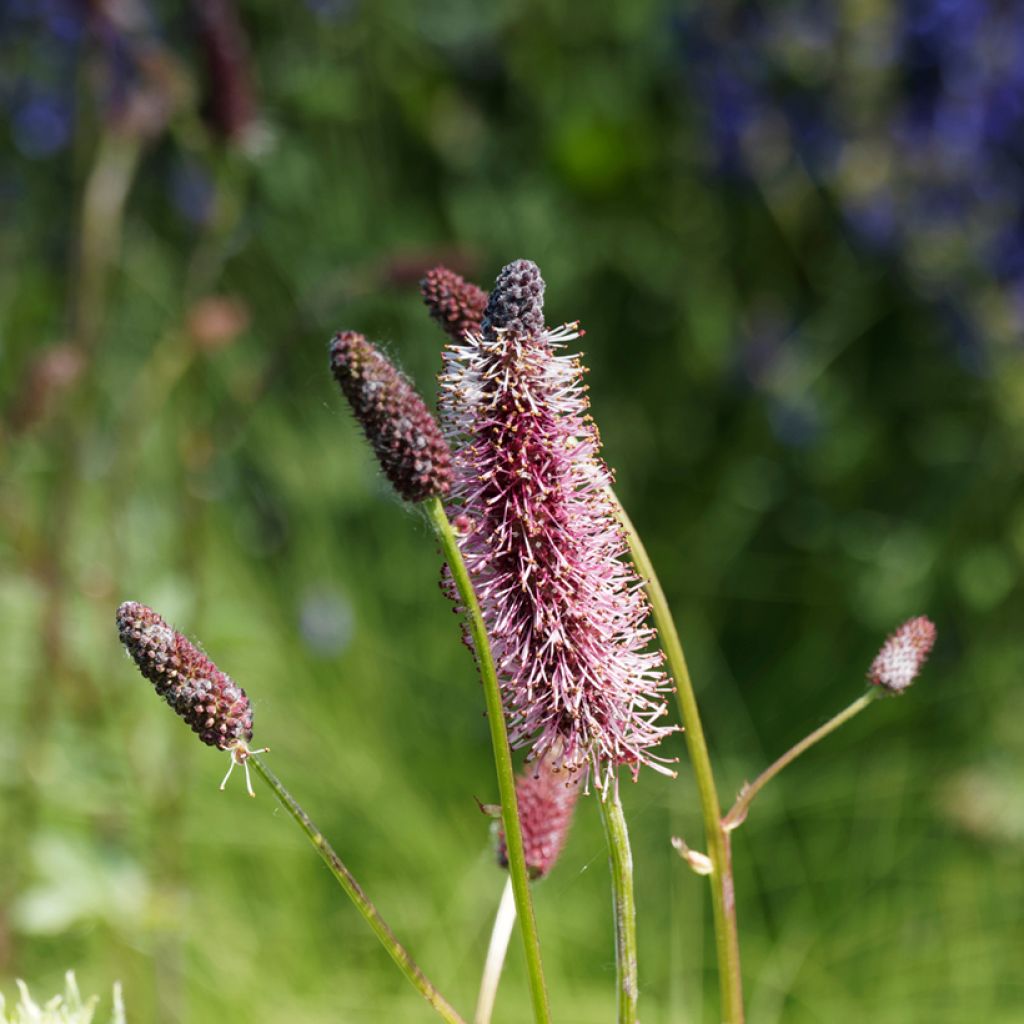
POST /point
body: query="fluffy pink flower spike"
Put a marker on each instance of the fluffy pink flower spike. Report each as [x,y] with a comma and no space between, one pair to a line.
[565,613]
[903,654]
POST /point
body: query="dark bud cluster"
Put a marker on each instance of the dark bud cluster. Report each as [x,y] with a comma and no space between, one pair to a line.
[517,301]
[404,435]
[457,305]
[212,703]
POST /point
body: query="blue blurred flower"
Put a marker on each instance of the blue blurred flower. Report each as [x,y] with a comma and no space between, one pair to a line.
[41,125]
[911,113]
[192,191]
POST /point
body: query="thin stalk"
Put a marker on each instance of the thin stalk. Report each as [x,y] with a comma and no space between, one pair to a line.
[620,862]
[347,881]
[738,814]
[502,758]
[723,892]
[495,963]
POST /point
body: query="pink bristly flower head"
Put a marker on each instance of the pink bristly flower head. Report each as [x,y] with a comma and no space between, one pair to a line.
[453,302]
[404,435]
[906,649]
[565,613]
[211,702]
[547,799]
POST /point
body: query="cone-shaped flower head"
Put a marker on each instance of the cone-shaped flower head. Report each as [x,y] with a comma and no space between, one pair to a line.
[215,706]
[906,649]
[212,703]
[547,799]
[405,436]
[456,304]
[565,614]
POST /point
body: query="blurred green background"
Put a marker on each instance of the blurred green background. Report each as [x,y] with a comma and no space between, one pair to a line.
[793,429]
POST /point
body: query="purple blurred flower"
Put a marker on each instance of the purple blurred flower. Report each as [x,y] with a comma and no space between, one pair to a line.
[42,125]
[192,191]
[912,116]
[565,614]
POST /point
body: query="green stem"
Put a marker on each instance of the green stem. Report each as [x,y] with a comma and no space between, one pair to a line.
[738,814]
[502,758]
[620,861]
[723,893]
[347,881]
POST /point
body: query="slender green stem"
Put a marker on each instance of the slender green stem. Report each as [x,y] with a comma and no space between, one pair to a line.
[620,861]
[495,963]
[738,814]
[723,893]
[347,881]
[502,758]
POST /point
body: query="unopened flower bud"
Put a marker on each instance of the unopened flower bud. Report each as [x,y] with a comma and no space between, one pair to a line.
[899,661]
[211,702]
[405,436]
[546,801]
[517,301]
[455,303]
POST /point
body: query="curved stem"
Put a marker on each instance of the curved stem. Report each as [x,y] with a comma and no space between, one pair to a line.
[502,757]
[723,893]
[500,934]
[738,814]
[620,861]
[347,881]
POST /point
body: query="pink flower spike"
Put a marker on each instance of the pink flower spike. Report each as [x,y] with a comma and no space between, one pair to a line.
[899,661]
[565,614]
[547,799]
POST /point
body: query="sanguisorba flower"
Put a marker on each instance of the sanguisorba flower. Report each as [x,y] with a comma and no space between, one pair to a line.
[546,799]
[565,613]
[903,654]
[404,435]
[456,304]
[210,701]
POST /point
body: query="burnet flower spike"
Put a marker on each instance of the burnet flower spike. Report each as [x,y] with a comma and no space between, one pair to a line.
[211,702]
[547,798]
[403,433]
[903,654]
[566,615]
[455,304]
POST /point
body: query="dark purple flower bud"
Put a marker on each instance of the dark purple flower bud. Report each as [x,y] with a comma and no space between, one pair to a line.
[230,104]
[547,799]
[405,436]
[517,301]
[899,661]
[211,702]
[455,303]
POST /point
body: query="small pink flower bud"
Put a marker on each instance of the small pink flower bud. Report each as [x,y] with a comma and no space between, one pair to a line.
[547,799]
[405,436]
[899,661]
[456,304]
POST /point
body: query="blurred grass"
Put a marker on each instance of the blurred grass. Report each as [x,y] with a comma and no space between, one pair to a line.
[806,455]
